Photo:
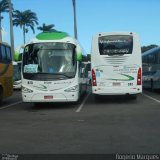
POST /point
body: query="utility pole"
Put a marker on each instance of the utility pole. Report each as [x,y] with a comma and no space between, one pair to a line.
[1,28]
[75,23]
[11,28]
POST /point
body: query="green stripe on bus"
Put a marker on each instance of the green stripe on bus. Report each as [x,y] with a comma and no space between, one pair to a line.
[51,35]
[130,78]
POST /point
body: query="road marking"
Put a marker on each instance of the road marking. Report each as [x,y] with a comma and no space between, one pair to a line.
[10,105]
[82,104]
[151,97]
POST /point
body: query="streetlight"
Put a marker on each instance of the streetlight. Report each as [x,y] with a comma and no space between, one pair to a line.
[11,28]
[75,23]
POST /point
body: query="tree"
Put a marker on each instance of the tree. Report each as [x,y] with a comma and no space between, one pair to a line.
[4,7]
[46,28]
[146,48]
[25,19]
[88,57]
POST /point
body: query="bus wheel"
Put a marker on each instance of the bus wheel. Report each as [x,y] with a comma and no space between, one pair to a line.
[1,94]
[133,96]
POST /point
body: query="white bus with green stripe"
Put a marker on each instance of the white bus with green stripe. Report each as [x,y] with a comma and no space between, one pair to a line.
[52,70]
[116,64]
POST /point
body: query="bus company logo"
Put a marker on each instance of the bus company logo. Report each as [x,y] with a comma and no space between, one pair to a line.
[112,41]
[62,82]
[41,87]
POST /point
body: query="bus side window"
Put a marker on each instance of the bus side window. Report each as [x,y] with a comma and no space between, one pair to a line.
[3,53]
[8,53]
[158,57]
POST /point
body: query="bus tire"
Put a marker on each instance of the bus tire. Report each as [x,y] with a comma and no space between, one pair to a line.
[133,96]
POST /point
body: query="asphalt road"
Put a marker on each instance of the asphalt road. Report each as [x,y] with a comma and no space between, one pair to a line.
[113,124]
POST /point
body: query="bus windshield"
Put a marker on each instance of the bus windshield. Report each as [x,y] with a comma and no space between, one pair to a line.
[53,59]
[115,44]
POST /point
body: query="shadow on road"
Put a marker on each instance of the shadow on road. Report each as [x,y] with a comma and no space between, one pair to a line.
[115,99]
[49,106]
[34,107]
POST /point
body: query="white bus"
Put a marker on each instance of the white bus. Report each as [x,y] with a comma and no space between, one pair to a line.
[116,64]
[151,68]
[51,69]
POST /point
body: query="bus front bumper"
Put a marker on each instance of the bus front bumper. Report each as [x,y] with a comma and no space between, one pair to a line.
[50,97]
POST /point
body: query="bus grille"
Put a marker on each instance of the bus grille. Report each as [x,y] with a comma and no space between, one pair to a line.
[116,59]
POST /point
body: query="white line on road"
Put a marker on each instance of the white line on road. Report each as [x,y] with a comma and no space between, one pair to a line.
[82,104]
[10,105]
[151,97]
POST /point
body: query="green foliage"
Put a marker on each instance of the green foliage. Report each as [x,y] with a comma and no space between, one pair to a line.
[4,7]
[46,28]
[146,48]
[17,56]
[89,57]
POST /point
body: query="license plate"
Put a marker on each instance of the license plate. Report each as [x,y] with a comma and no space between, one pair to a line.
[48,97]
[116,84]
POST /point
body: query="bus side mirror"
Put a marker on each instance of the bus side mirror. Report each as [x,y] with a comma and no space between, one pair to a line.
[78,53]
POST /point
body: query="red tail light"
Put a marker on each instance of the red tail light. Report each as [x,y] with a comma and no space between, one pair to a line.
[139,77]
[94,83]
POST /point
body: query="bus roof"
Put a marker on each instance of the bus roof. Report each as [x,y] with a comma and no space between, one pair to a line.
[151,51]
[5,43]
[52,35]
[115,33]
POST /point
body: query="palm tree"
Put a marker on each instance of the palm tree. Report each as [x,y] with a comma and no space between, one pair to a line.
[46,28]
[4,7]
[25,19]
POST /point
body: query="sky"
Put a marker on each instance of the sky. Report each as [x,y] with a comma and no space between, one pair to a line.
[93,16]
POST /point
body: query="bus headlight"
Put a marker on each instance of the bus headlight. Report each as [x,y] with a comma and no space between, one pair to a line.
[16,82]
[26,90]
[72,89]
